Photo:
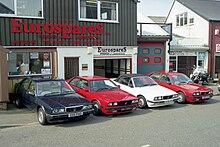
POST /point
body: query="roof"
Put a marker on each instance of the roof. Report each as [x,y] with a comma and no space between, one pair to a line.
[208,9]
[158,19]
[149,27]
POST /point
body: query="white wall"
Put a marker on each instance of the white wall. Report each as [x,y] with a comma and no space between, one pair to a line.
[84,58]
[199,29]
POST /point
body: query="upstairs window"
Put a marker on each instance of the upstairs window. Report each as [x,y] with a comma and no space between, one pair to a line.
[21,8]
[182,19]
[97,10]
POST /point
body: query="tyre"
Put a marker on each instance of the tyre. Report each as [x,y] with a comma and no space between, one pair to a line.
[18,102]
[41,116]
[96,107]
[182,97]
[142,102]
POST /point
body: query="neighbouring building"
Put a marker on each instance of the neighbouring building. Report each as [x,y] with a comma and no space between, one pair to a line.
[153,44]
[65,38]
[196,40]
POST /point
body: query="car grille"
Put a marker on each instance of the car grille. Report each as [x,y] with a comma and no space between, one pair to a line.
[205,93]
[167,97]
[124,103]
[74,108]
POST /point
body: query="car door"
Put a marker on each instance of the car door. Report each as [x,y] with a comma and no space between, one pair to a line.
[77,85]
[23,92]
[31,95]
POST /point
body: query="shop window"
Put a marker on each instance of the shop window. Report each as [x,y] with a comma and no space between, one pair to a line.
[157,60]
[96,10]
[146,60]
[29,63]
[173,63]
[21,8]
[146,51]
[157,51]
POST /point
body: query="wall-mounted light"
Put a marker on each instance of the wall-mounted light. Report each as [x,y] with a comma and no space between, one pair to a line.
[89,50]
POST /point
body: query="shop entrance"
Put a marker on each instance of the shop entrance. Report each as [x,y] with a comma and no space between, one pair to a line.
[112,68]
[71,67]
[185,64]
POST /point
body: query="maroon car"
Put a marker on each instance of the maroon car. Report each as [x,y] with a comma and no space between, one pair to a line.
[183,85]
[106,97]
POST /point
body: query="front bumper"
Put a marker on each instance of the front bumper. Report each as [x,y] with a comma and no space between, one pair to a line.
[161,102]
[119,109]
[68,116]
[198,98]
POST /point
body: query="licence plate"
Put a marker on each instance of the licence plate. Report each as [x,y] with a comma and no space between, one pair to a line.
[125,109]
[75,114]
[205,97]
[169,101]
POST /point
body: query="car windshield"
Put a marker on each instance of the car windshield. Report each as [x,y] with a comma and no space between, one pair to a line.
[180,79]
[53,88]
[98,85]
[143,81]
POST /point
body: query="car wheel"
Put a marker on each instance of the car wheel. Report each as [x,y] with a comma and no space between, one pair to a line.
[96,107]
[142,102]
[182,97]
[18,102]
[41,116]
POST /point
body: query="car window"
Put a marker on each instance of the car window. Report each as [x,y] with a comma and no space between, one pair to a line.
[82,84]
[25,84]
[32,87]
[155,76]
[164,78]
[75,81]
[96,85]
[130,83]
[124,80]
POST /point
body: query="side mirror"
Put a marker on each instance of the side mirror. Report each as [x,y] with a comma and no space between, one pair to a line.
[168,82]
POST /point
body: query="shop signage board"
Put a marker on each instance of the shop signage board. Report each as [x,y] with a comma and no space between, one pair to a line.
[217,48]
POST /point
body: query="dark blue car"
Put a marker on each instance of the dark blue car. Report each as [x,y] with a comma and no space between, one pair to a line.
[52,99]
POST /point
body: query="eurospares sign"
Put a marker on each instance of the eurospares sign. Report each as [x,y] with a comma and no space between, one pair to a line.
[59,32]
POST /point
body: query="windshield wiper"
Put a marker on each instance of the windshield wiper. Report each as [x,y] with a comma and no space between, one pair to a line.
[67,92]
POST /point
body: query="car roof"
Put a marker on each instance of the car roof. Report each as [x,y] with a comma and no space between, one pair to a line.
[167,73]
[92,77]
[39,79]
[132,75]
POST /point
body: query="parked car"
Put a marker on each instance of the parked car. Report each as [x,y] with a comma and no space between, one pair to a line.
[188,90]
[52,99]
[149,93]
[107,98]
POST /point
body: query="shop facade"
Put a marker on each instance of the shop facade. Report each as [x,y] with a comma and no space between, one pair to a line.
[66,38]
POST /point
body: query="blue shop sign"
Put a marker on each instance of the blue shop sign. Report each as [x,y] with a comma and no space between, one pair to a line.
[201,55]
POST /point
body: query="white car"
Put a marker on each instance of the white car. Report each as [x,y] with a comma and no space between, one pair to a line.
[149,93]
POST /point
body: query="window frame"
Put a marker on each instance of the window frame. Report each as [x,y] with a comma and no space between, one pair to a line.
[99,13]
[16,12]
[182,19]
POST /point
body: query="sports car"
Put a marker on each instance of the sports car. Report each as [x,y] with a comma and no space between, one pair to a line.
[149,93]
[52,99]
[107,98]
[187,90]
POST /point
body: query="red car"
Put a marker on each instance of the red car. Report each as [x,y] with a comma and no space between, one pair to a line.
[106,97]
[183,85]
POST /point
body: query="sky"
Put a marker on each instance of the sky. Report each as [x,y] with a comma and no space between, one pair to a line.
[154,7]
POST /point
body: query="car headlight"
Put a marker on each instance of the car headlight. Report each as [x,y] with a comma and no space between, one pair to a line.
[58,110]
[112,104]
[175,95]
[87,107]
[158,98]
[196,93]
[134,101]
[210,92]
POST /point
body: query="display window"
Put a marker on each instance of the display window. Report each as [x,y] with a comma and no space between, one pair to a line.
[30,63]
